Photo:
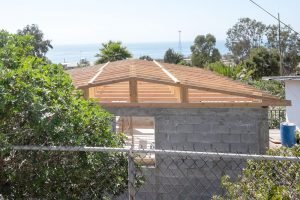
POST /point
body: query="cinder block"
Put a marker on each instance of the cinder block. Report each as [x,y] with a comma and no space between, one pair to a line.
[239,148]
[203,128]
[220,147]
[185,128]
[177,138]
[229,138]
[254,148]
[202,147]
[249,138]
[204,138]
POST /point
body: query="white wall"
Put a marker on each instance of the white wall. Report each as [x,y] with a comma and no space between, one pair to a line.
[292,92]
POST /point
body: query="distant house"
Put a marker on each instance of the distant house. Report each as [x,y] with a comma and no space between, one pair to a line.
[292,92]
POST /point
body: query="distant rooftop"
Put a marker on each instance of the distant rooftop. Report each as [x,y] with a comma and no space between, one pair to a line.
[281,78]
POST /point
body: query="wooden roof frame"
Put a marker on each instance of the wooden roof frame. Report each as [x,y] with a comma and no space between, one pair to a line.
[167,78]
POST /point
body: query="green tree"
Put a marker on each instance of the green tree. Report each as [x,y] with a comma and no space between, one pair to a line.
[112,51]
[243,36]
[13,49]
[146,57]
[263,62]
[204,51]
[289,45]
[172,57]
[39,106]
[40,46]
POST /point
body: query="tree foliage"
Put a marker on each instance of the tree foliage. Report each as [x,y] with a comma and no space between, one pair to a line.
[146,57]
[13,49]
[39,106]
[40,46]
[235,72]
[262,62]
[112,51]
[266,179]
[273,87]
[204,51]
[245,75]
[172,57]
[289,45]
[243,36]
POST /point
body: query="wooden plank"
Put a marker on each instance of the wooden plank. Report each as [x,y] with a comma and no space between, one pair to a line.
[167,72]
[86,93]
[185,105]
[181,93]
[98,73]
[133,90]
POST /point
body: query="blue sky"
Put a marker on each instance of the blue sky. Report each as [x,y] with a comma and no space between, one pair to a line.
[95,21]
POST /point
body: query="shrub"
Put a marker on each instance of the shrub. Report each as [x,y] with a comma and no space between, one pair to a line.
[266,179]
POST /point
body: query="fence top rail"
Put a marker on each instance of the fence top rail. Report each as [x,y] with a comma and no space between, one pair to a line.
[159,152]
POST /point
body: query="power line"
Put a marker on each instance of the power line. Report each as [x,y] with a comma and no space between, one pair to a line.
[273,16]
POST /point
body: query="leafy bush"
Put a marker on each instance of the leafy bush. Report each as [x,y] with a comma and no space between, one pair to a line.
[266,179]
[172,57]
[39,106]
[272,87]
[234,72]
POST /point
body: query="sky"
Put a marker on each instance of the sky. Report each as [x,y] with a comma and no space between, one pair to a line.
[138,21]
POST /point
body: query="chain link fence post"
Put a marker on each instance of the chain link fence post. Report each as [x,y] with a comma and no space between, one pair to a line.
[131,176]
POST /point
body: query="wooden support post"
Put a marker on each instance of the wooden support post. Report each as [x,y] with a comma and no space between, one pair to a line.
[89,93]
[181,93]
[131,176]
[133,90]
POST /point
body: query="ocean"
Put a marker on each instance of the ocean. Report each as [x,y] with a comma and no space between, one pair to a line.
[73,53]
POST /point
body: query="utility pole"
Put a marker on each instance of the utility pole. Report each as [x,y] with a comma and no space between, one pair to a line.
[279,46]
[179,42]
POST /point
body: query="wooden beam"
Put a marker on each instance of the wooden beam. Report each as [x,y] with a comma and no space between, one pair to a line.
[184,94]
[105,82]
[133,90]
[186,105]
[89,93]
[98,73]
[86,93]
[181,93]
[169,74]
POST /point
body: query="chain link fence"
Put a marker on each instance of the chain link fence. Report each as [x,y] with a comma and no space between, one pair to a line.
[39,172]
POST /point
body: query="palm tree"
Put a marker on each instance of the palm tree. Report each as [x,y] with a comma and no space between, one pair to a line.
[112,51]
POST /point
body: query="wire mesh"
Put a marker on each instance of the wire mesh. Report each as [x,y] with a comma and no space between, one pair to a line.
[41,172]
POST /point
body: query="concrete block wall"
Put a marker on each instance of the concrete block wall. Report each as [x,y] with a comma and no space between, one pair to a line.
[236,130]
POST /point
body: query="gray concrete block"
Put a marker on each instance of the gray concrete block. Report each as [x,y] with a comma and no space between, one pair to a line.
[231,138]
[239,148]
[204,138]
[185,128]
[220,147]
[177,138]
[202,128]
[254,148]
[249,138]
[202,147]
